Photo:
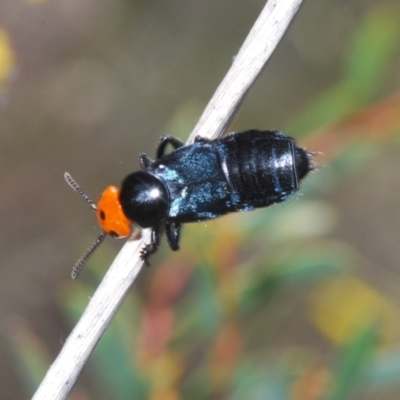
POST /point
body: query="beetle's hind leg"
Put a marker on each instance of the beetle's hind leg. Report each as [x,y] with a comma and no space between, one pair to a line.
[164,142]
[151,248]
[173,231]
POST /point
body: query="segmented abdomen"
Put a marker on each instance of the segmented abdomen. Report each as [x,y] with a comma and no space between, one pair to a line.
[260,167]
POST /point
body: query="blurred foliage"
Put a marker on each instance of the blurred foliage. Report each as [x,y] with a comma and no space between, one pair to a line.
[33,358]
[6,57]
[208,322]
[366,67]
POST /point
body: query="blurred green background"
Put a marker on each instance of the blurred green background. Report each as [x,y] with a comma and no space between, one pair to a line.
[298,301]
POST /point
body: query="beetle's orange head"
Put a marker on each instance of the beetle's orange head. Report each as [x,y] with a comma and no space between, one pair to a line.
[111,219]
[110,216]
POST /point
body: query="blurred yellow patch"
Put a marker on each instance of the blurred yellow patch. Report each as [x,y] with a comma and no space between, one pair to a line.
[6,56]
[342,307]
[165,374]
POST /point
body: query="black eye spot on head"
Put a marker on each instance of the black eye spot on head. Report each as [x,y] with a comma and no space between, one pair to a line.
[102,215]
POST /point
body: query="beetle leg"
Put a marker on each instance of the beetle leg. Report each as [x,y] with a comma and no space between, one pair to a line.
[151,247]
[145,161]
[200,139]
[173,231]
[164,142]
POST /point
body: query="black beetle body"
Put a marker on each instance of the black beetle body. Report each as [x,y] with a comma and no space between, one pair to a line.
[210,178]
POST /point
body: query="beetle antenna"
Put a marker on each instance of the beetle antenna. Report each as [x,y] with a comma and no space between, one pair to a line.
[71,182]
[82,261]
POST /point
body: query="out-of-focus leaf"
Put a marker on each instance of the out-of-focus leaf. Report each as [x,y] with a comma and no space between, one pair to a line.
[334,104]
[384,370]
[340,308]
[31,355]
[205,307]
[370,54]
[7,58]
[372,50]
[288,222]
[304,263]
[369,127]
[355,356]
[260,383]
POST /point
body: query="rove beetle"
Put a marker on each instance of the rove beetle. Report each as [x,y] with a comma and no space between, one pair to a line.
[202,181]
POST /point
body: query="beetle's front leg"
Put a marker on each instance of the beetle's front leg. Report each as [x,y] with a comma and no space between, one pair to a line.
[173,231]
[145,161]
[151,247]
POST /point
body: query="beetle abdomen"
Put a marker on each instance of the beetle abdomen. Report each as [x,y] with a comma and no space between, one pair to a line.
[261,167]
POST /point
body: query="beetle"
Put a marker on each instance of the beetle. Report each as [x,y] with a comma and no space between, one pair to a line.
[202,181]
